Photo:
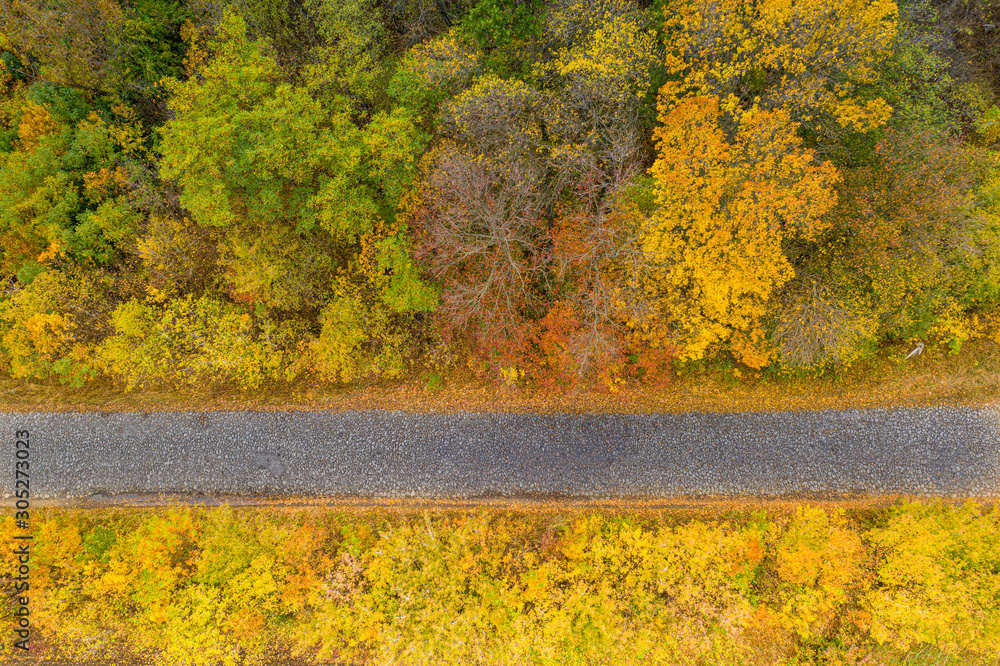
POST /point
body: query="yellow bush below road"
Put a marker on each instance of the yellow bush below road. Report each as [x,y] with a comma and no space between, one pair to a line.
[896,584]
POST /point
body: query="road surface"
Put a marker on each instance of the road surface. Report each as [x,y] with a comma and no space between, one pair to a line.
[943,451]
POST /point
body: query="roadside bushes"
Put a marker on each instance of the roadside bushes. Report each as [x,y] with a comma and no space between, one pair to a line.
[183,341]
[224,586]
[912,246]
[49,328]
[937,581]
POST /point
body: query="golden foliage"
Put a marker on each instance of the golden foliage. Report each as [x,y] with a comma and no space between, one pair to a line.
[444,61]
[72,44]
[609,54]
[46,328]
[938,579]
[199,587]
[724,209]
[807,57]
[104,182]
[36,122]
[127,132]
[820,561]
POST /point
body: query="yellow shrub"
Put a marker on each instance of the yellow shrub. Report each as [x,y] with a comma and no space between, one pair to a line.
[939,579]
[40,328]
[36,122]
[819,562]
[185,341]
[360,335]
[216,586]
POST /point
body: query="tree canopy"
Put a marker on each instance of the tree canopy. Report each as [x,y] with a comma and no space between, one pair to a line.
[561,192]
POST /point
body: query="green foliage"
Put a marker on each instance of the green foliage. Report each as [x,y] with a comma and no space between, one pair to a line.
[502,29]
[495,25]
[227,549]
[13,65]
[66,105]
[906,254]
[151,43]
[29,272]
[294,185]
[434,71]
[363,326]
[63,191]
[980,279]
[351,62]
[392,144]
[241,141]
[915,80]
[97,542]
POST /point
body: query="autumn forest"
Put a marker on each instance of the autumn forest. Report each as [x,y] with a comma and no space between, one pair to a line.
[567,192]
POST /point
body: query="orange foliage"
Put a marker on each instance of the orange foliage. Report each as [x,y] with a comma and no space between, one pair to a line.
[555,334]
[105,182]
[36,122]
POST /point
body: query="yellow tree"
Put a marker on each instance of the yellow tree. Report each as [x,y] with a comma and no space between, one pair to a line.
[724,210]
[806,56]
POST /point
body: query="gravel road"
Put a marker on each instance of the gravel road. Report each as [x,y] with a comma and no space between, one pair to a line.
[943,451]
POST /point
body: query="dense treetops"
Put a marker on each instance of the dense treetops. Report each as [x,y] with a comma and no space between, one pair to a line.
[562,192]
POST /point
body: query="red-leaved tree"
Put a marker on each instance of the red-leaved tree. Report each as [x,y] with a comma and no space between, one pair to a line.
[480,230]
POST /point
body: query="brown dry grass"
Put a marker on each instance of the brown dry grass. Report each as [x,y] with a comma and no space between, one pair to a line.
[677,509]
[971,377]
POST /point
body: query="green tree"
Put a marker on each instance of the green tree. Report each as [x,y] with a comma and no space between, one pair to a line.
[63,192]
[505,31]
[351,59]
[305,198]
[908,250]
